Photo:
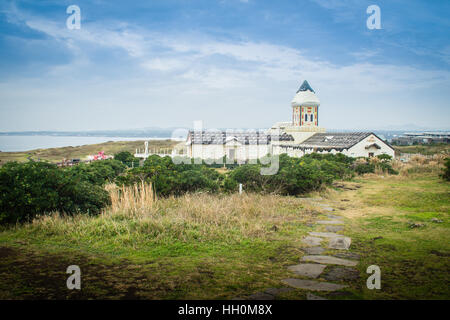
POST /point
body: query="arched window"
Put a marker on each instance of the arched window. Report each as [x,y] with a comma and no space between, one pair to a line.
[312,118]
[306,117]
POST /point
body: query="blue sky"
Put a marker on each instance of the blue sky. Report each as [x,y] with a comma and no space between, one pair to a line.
[229,63]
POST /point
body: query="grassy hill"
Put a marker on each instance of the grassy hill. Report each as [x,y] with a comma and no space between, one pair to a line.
[110,148]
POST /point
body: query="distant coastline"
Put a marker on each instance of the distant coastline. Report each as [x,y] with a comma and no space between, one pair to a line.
[20,143]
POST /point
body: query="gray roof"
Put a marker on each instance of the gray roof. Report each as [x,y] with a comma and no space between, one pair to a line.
[221,137]
[334,140]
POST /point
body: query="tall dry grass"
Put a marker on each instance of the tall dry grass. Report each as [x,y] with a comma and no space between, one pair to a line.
[136,217]
[135,200]
[420,164]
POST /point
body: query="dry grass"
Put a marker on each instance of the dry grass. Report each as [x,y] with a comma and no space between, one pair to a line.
[420,164]
[136,217]
[135,200]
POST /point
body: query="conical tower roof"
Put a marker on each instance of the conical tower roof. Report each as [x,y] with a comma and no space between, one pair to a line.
[305,96]
[305,87]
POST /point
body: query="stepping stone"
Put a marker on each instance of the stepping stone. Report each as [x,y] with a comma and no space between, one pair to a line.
[312,241]
[332,216]
[310,296]
[340,243]
[324,234]
[325,206]
[334,228]
[330,260]
[330,222]
[314,250]
[341,273]
[260,296]
[347,255]
[313,199]
[310,270]
[313,285]
[277,291]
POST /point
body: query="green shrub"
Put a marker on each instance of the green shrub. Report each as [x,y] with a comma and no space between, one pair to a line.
[370,167]
[32,188]
[127,159]
[387,167]
[362,168]
[295,175]
[384,157]
[446,174]
[170,178]
[97,172]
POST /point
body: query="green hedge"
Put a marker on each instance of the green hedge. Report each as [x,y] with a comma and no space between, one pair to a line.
[294,176]
[28,189]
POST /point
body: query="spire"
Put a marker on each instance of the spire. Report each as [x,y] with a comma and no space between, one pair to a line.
[305,87]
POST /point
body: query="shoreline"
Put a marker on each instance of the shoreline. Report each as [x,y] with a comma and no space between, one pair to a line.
[56,154]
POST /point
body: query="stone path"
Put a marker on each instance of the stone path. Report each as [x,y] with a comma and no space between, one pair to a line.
[310,270]
[330,222]
[330,260]
[318,265]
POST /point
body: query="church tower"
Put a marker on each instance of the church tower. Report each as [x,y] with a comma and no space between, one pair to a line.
[305,107]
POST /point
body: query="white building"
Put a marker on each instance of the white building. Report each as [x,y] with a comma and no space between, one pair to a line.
[302,135]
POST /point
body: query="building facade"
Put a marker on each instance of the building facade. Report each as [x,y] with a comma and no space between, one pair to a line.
[300,136]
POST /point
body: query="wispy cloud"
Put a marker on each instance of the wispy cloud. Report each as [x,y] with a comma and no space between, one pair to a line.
[196,70]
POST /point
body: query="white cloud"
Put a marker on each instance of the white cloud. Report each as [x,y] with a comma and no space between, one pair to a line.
[201,76]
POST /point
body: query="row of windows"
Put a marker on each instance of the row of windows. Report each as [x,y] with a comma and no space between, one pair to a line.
[306,117]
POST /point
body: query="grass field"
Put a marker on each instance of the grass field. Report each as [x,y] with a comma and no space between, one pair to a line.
[81,152]
[197,246]
[443,148]
[414,262]
[204,246]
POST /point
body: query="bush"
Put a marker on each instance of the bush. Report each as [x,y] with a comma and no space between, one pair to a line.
[362,168]
[381,162]
[173,179]
[32,188]
[387,167]
[97,172]
[295,175]
[446,174]
[127,159]
[384,157]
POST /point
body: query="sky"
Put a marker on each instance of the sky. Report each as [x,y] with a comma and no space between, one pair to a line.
[230,63]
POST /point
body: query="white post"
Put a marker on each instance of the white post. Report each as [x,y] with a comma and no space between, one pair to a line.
[240,188]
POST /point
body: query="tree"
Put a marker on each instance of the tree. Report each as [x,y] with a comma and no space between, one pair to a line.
[124,157]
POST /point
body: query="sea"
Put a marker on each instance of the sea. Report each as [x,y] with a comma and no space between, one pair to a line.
[15,143]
